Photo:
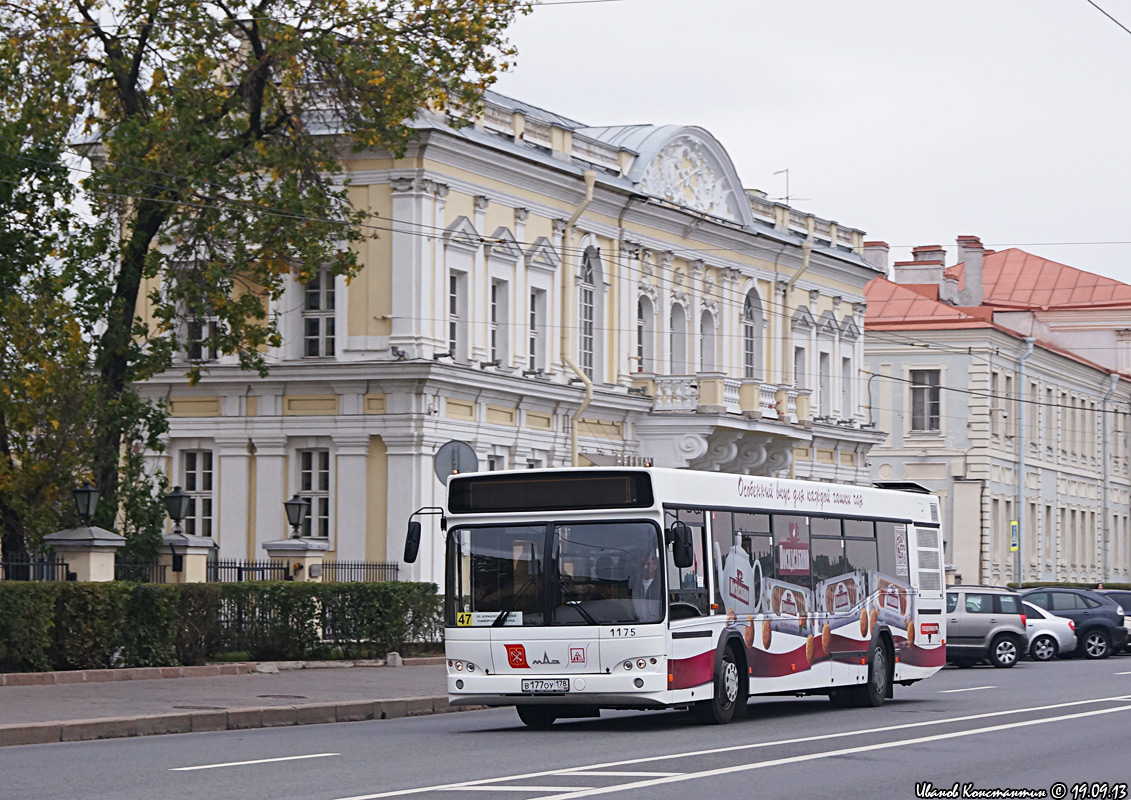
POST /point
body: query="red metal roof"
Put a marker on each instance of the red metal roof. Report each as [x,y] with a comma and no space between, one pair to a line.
[893,306]
[1015,279]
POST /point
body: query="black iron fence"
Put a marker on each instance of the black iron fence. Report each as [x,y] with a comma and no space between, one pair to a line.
[359,571]
[234,570]
[30,568]
[140,572]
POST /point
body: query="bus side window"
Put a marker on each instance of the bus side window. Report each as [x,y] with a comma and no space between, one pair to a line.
[892,540]
[860,545]
[791,550]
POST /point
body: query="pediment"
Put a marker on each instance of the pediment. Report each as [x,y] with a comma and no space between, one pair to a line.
[462,233]
[504,245]
[849,329]
[542,255]
[828,325]
[689,168]
[803,318]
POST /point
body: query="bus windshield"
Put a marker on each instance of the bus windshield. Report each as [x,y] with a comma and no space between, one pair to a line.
[577,573]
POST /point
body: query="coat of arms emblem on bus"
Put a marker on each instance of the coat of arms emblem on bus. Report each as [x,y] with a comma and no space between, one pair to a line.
[516,656]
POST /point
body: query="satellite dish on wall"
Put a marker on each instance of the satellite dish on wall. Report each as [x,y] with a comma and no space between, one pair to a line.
[453,458]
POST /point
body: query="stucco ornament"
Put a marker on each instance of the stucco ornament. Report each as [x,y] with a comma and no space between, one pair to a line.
[684,173]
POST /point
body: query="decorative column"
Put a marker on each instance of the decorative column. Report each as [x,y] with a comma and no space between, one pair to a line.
[233,530]
[270,491]
[350,511]
[88,551]
[408,249]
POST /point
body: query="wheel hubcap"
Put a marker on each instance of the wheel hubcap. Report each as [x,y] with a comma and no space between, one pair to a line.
[730,681]
[1043,649]
[879,670]
[1096,645]
[1006,652]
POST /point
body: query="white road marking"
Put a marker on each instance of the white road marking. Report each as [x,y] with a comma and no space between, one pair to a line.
[1123,673]
[826,754]
[620,774]
[256,761]
[971,689]
[738,747]
[517,789]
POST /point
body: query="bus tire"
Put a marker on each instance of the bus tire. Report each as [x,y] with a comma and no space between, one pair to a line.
[540,717]
[873,693]
[720,709]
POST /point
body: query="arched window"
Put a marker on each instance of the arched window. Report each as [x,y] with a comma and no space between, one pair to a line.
[678,340]
[752,336]
[707,342]
[588,308]
[645,335]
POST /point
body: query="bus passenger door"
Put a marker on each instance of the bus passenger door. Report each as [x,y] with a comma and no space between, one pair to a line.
[687,588]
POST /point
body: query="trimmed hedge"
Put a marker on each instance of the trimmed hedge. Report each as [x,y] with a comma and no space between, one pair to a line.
[96,625]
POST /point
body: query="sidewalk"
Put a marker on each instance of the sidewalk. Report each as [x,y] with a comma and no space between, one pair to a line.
[71,712]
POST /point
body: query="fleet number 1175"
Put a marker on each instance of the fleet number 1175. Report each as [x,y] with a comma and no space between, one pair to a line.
[625,632]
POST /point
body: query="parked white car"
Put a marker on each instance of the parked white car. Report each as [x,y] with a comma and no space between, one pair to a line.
[1048,635]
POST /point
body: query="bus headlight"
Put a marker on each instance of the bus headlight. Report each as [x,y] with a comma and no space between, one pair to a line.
[641,663]
[459,666]
[628,664]
[470,667]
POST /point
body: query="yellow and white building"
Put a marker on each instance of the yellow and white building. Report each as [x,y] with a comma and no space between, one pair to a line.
[514,264]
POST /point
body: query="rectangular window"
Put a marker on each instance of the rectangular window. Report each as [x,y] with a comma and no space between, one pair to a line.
[587,332]
[847,411]
[824,388]
[197,472]
[800,368]
[791,550]
[314,485]
[199,346]
[1050,419]
[995,403]
[534,337]
[1008,413]
[318,316]
[498,329]
[453,314]
[925,400]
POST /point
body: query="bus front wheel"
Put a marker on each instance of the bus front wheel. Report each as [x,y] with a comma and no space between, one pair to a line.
[721,708]
[537,716]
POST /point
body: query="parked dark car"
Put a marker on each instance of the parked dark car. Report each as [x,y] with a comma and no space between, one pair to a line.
[1099,620]
[984,622]
[1123,597]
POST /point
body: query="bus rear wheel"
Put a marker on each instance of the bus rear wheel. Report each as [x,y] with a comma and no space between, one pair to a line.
[721,708]
[873,693]
[537,716]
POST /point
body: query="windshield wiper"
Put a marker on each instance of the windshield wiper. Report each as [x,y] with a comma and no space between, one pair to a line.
[502,618]
[577,605]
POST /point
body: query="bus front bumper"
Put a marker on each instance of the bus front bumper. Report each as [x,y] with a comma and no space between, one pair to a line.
[604,690]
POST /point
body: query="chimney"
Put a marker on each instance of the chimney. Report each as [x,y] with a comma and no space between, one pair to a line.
[926,266]
[970,253]
[876,254]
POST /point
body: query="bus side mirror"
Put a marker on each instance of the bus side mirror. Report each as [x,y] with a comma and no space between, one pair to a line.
[412,542]
[683,551]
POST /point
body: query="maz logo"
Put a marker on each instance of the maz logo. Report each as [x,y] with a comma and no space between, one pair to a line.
[545,659]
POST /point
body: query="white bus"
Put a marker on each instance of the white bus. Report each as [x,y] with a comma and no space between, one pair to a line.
[572,590]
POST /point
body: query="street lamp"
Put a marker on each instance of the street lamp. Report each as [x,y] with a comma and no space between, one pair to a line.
[297,510]
[86,499]
[177,504]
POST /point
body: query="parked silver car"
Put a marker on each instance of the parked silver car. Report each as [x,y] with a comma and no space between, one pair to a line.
[1048,635]
[984,622]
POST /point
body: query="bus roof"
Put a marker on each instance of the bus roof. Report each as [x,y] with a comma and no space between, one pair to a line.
[709,490]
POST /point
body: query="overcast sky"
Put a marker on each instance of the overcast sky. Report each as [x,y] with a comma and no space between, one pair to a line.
[914,121]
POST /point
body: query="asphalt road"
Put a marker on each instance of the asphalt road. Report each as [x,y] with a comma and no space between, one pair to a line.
[1029,727]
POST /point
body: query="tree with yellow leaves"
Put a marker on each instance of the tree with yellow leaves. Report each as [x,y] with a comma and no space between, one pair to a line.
[213,132]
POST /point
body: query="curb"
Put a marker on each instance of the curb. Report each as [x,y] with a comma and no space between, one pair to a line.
[231,720]
[207,671]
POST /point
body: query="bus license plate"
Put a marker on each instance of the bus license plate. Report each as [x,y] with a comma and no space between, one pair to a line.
[540,685]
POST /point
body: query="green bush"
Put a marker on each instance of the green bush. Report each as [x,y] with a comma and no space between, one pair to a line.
[27,619]
[198,623]
[150,626]
[97,625]
[90,625]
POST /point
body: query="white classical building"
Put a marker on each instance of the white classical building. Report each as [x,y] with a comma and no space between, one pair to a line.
[515,263]
[994,399]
